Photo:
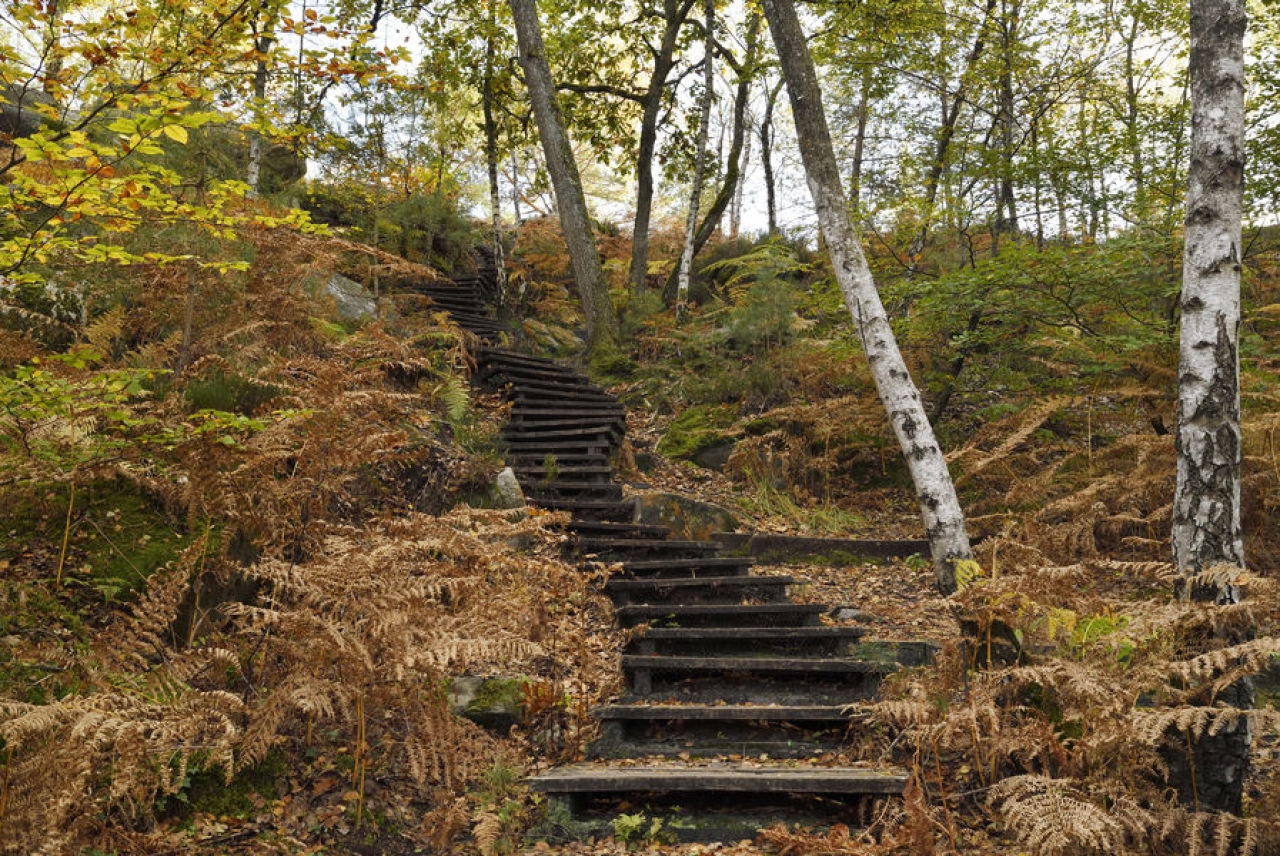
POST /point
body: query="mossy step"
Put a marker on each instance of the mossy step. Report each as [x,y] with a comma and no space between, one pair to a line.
[726,589]
[722,615]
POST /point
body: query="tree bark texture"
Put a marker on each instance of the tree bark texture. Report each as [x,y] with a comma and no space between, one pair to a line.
[734,166]
[939,506]
[1206,513]
[491,161]
[1206,506]
[575,223]
[675,13]
[700,161]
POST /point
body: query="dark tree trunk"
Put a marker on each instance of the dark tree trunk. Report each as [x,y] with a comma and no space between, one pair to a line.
[571,203]
[675,14]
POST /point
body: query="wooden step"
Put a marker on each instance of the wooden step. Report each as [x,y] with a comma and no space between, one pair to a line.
[557,470]
[717,777]
[722,615]
[592,509]
[728,589]
[709,730]
[616,530]
[743,679]
[539,491]
[646,547]
[705,566]
[820,640]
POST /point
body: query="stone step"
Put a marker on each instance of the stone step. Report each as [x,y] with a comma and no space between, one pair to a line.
[707,566]
[722,615]
[727,589]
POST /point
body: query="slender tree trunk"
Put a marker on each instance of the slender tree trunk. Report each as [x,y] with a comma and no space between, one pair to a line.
[1206,505]
[766,158]
[950,119]
[1132,138]
[859,141]
[515,187]
[733,172]
[1006,204]
[675,14]
[939,506]
[700,162]
[571,203]
[262,42]
[491,161]
[735,210]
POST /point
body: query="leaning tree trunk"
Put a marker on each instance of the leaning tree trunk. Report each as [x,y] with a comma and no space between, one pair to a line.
[699,164]
[1206,505]
[571,204]
[943,519]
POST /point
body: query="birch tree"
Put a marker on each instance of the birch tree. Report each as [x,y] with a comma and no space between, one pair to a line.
[939,506]
[593,289]
[1206,516]
[1206,506]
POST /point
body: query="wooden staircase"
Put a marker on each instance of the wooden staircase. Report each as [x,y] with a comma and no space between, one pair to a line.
[736,699]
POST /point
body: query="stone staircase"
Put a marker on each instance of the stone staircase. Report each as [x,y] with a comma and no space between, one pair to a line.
[735,706]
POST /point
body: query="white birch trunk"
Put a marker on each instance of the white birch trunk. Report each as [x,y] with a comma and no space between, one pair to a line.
[939,506]
[1206,509]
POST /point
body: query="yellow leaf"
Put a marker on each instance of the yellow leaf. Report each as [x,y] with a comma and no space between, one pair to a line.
[79,152]
[176,133]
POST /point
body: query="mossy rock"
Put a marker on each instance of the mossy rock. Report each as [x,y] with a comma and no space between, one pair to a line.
[703,434]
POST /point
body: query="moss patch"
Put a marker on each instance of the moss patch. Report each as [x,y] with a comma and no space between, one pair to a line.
[697,429]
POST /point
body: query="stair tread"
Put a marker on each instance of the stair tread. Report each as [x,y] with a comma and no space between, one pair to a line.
[743,581]
[719,776]
[668,662]
[603,544]
[719,712]
[747,633]
[689,563]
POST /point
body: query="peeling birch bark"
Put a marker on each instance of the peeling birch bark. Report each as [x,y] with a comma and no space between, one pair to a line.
[939,506]
[1206,509]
